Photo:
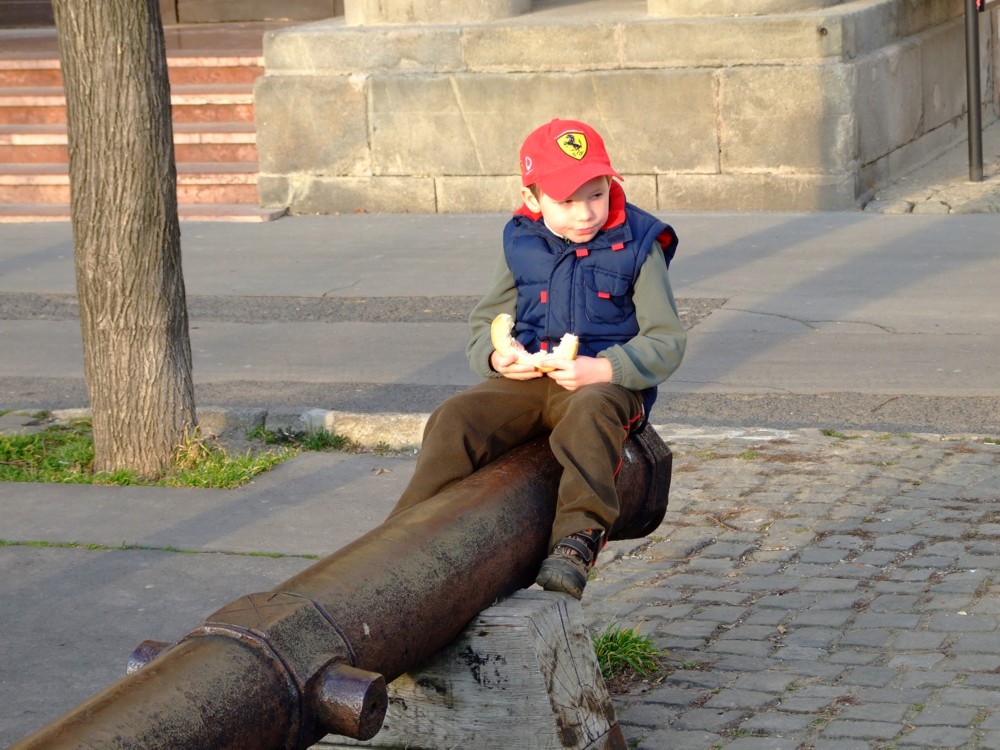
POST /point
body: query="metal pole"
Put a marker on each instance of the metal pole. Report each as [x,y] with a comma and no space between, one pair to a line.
[973,93]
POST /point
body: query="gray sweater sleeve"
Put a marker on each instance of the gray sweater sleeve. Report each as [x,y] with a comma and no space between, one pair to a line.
[501,298]
[653,354]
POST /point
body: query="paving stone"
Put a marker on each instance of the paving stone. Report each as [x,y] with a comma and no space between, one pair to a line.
[687,628]
[739,699]
[974,662]
[878,676]
[810,637]
[811,699]
[799,653]
[791,601]
[823,584]
[824,617]
[960,696]
[908,696]
[882,620]
[723,615]
[698,678]
[879,730]
[856,657]
[876,559]
[719,597]
[762,743]
[673,696]
[871,638]
[937,737]
[898,542]
[893,712]
[740,647]
[915,661]
[989,679]
[778,723]
[944,716]
[893,603]
[937,678]
[711,720]
[645,714]
[678,739]
[738,663]
[765,682]
[992,721]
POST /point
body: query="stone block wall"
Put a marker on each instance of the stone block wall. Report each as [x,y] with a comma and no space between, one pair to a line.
[799,110]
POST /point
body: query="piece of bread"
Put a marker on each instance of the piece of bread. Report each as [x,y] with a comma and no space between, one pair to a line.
[501,330]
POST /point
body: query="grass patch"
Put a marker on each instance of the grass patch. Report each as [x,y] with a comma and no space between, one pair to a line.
[60,453]
[623,654]
[319,440]
[838,435]
[64,453]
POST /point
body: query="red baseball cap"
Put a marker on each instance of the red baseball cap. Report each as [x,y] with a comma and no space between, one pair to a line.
[562,155]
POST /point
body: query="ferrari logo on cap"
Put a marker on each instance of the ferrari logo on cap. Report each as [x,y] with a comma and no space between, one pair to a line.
[573,144]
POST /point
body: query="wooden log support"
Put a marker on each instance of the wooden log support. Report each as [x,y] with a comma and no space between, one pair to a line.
[522,674]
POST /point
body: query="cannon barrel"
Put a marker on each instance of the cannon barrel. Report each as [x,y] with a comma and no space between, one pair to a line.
[283,668]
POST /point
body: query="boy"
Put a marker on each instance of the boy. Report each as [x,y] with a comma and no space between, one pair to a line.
[576,259]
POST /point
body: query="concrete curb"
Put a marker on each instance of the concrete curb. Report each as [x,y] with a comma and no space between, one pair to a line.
[399,431]
[393,431]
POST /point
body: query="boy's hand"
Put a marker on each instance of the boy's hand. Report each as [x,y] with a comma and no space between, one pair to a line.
[507,365]
[576,373]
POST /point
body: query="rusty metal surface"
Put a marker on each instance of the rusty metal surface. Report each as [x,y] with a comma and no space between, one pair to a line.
[210,693]
[282,668]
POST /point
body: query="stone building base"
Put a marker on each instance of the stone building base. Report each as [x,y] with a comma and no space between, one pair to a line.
[787,111]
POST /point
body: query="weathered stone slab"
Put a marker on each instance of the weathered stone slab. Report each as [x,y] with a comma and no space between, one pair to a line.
[888,100]
[318,194]
[474,125]
[787,118]
[813,102]
[431,11]
[757,192]
[330,47]
[312,124]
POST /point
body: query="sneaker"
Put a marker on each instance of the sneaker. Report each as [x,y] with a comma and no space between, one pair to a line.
[567,568]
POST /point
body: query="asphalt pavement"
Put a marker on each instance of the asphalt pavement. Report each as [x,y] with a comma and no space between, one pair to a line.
[827,574]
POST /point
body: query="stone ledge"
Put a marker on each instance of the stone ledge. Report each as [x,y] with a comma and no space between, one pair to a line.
[792,111]
[627,39]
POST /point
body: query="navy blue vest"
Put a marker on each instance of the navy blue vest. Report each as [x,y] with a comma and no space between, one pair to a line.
[584,288]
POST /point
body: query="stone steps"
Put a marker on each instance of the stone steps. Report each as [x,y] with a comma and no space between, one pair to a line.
[196,183]
[193,142]
[215,143]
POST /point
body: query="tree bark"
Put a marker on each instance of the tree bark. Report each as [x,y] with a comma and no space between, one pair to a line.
[126,235]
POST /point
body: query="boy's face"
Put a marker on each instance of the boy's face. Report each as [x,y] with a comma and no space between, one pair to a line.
[579,217]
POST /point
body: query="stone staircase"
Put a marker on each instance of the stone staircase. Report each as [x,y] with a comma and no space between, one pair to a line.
[215,142]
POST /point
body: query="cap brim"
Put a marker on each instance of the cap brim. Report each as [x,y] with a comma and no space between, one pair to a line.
[561,185]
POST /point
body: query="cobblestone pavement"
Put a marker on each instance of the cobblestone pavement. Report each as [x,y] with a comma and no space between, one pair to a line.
[815,591]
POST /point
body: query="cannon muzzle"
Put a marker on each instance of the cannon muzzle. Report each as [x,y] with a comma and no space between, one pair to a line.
[283,668]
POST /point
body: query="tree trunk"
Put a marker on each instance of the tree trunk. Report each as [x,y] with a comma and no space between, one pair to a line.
[126,235]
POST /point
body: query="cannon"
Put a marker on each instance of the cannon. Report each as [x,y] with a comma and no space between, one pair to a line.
[311,657]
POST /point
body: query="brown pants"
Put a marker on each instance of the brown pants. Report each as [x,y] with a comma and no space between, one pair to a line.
[586,429]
